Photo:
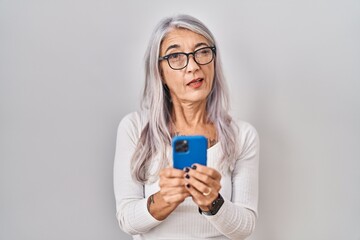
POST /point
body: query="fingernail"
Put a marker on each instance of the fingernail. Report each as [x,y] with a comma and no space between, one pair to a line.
[187,176]
[188,185]
[186,169]
[193,167]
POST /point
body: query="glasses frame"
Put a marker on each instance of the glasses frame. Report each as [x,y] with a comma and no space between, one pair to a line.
[166,57]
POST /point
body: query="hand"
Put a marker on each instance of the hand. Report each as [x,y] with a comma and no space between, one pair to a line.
[172,186]
[172,193]
[203,184]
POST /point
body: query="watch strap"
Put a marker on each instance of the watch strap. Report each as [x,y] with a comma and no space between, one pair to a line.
[215,206]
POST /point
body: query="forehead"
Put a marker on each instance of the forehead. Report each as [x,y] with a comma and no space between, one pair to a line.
[182,38]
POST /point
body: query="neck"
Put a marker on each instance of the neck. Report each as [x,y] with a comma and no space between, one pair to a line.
[189,115]
[191,119]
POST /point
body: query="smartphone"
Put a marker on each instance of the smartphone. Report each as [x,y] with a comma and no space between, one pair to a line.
[188,150]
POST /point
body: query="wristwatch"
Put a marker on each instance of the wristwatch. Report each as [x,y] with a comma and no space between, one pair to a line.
[215,206]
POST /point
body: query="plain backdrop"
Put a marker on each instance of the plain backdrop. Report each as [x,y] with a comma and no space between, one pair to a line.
[70,70]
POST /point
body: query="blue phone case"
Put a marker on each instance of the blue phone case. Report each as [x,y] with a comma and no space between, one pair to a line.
[194,153]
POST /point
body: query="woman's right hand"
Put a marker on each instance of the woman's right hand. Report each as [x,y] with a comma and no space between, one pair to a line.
[172,186]
[172,193]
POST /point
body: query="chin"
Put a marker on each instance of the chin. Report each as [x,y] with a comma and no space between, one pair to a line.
[198,97]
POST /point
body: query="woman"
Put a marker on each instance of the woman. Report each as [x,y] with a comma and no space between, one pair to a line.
[185,94]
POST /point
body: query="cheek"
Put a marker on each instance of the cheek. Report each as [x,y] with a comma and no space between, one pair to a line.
[211,75]
[166,76]
[171,77]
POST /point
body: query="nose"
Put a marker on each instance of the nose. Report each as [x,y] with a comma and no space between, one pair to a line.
[192,65]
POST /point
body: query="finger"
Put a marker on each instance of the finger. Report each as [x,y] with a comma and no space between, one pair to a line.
[173,190]
[206,179]
[176,198]
[201,200]
[171,182]
[172,195]
[201,186]
[211,172]
[171,173]
[202,181]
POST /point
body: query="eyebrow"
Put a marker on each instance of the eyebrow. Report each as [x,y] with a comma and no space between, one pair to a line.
[177,46]
[171,47]
[200,44]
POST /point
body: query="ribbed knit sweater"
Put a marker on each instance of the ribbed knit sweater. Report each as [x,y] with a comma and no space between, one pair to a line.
[235,219]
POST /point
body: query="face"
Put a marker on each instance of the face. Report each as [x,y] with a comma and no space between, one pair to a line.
[194,82]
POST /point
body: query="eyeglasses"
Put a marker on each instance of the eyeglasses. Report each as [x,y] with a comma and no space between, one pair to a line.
[180,60]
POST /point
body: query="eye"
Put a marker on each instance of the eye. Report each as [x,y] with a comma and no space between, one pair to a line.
[204,51]
[174,56]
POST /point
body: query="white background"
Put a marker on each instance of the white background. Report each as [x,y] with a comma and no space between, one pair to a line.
[70,70]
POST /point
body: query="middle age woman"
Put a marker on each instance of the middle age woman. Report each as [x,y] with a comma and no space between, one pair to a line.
[185,94]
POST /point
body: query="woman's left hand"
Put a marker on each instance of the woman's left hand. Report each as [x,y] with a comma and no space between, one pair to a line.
[203,184]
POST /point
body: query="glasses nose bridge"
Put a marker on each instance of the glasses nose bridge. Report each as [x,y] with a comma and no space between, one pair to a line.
[188,59]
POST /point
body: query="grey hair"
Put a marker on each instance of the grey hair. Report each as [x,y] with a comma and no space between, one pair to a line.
[156,106]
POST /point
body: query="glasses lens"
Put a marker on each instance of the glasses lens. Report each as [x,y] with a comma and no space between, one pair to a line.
[177,60]
[204,55]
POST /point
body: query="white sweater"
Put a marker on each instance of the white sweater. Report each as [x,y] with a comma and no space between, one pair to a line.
[235,219]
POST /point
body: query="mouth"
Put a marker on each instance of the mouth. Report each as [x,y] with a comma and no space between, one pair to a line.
[195,81]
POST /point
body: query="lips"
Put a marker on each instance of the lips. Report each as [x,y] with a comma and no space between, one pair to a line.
[195,83]
[197,80]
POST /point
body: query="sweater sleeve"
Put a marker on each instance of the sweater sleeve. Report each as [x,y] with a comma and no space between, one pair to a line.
[131,209]
[236,218]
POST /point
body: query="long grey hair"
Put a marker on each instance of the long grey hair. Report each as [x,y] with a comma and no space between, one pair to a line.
[156,106]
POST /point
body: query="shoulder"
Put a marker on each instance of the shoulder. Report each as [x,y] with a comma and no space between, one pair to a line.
[131,119]
[245,128]
[248,136]
[132,124]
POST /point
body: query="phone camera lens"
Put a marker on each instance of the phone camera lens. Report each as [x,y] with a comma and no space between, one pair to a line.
[181,146]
